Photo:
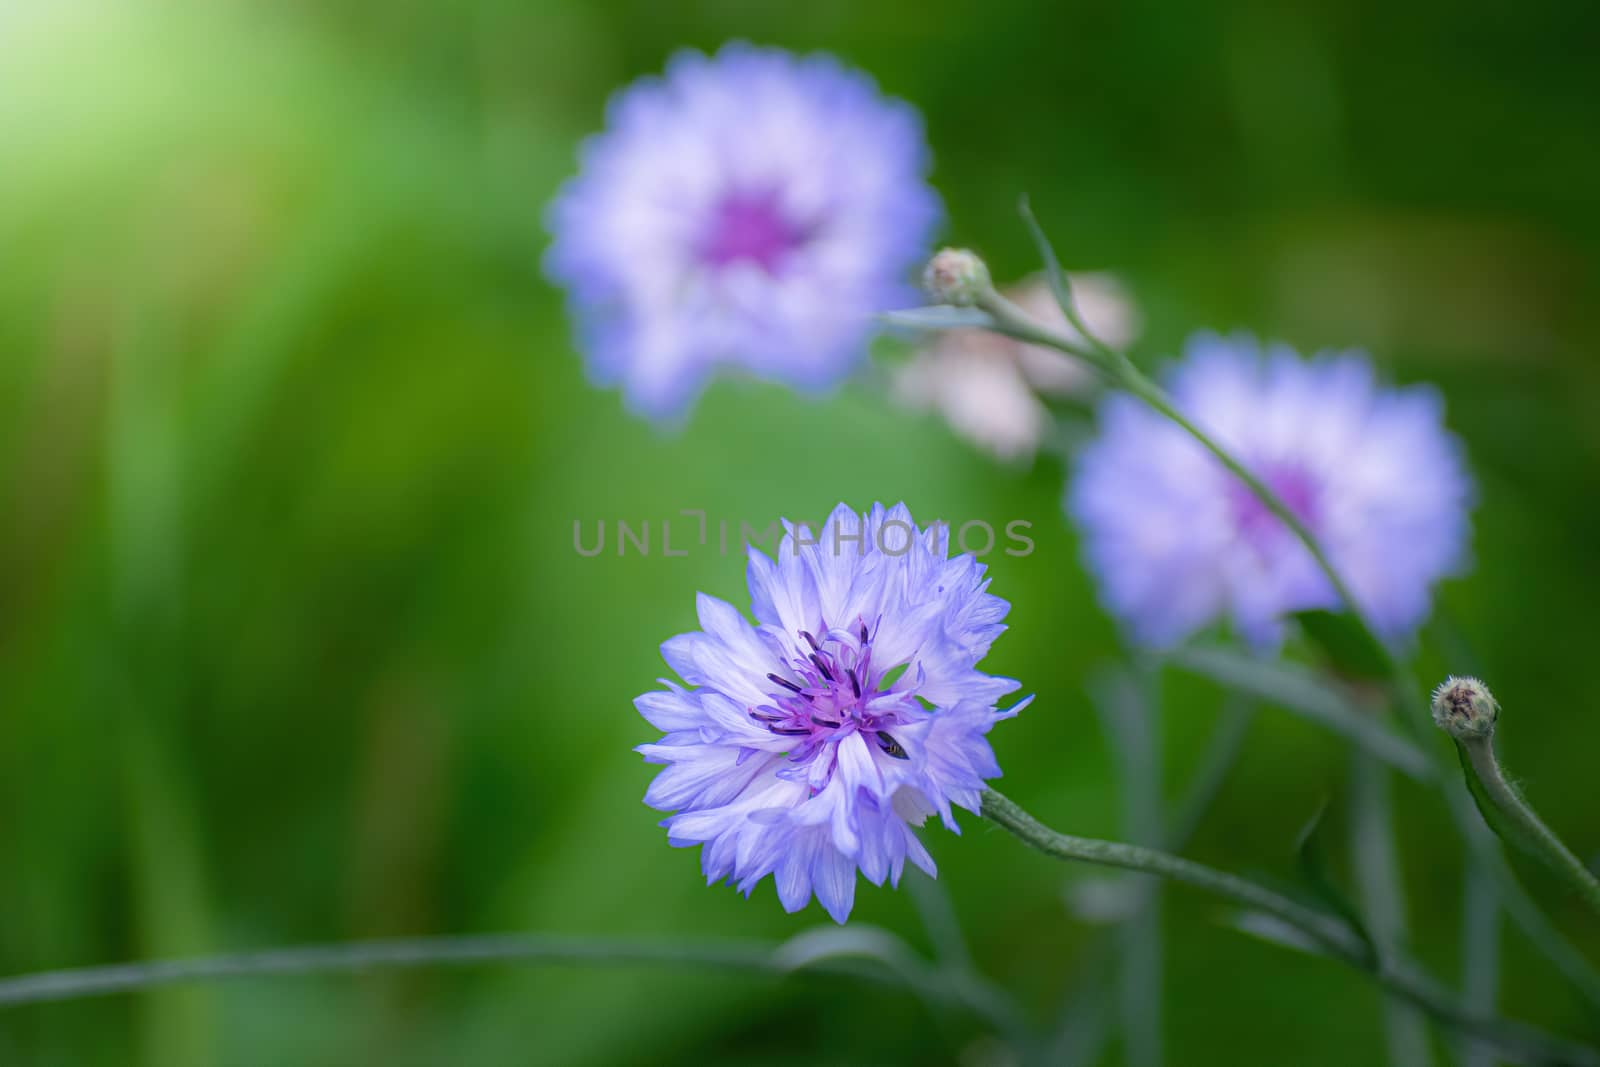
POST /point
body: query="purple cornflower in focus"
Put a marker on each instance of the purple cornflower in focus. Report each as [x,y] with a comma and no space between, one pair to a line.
[1178,543]
[809,744]
[751,209]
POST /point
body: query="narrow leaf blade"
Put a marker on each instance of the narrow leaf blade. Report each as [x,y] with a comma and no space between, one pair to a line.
[938,317]
[1350,649]
[1300,691]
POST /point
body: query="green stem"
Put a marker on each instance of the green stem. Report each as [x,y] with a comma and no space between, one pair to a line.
[1333,934]
[1131,721]
[1215,764]
[1383,900]
[1532,830]
[1141,386]
[1012,321]
[1061,287]
[1080,1034]
[1480,956]
[366,956]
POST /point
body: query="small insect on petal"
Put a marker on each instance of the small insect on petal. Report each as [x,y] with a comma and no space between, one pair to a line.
[891,746]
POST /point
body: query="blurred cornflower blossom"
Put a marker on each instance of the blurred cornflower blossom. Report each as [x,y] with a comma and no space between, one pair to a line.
[752,209]
[1178,543]
[810,743]
[990,388]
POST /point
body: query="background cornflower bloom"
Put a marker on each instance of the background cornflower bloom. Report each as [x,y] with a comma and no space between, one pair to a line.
[1178,543]
[751,209]
[812,742]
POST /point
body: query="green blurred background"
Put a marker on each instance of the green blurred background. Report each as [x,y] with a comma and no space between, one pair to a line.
[294,645]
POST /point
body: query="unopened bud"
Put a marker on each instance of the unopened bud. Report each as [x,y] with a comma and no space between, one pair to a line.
[956,276]
[1464,708]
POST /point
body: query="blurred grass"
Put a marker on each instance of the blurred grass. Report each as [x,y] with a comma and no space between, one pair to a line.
[293,642]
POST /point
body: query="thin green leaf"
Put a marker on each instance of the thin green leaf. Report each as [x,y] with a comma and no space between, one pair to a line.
[825,945]
[1381,898]
[1060,287]
[1275,931]
[1311,860]
[858,940]
[1298,690]
[1123,699]
[1350,648]
[1480,956]
[1515,1042]
[938,317]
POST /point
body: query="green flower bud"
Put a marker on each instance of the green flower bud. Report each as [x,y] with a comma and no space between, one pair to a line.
[1464,708]
[956,276]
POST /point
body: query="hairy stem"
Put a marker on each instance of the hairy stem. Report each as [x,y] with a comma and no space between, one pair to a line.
[1330,933]
[1532,831]
[1407,697]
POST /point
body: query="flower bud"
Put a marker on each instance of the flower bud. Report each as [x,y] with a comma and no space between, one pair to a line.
[956,276]
[1464,708]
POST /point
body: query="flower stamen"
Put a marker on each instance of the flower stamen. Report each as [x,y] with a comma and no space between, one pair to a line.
[786,684]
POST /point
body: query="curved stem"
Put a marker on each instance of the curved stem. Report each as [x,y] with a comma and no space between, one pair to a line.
[729,954]
[387,955]
[1532,831]
[1407,696]
[1141,385]
[1009,319]
[1012,321]
[1333,934]
[1079,1037]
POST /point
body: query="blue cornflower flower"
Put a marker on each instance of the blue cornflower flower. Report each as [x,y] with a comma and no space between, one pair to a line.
[751,209]
[810,743]
[1178,543]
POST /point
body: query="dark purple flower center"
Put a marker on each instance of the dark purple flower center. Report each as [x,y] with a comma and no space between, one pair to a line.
[750,226]
[832,689]
[1295,486]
